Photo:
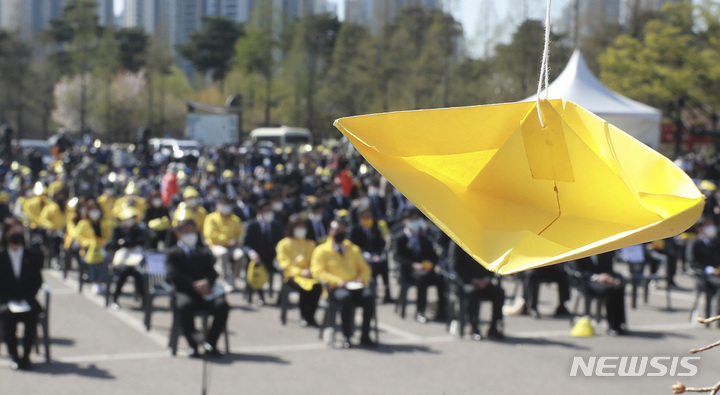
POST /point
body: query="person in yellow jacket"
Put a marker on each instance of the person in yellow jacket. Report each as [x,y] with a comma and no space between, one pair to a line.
[92,233]
[53,220]
[32,207]
[341,265]
[223,231]
[131,199]
[107,201]
[293,256]
[191,202]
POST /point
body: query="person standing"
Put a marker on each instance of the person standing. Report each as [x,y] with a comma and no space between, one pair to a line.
[20,280]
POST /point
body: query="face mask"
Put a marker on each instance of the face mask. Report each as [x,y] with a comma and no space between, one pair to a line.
[108,192]
[268,216]
[415,225]
[299,232]
[225,209]
[157,202]
[189,239]
[128,222]
[339,237]
[214,193]
[372,191]
[16,238]
[710,231]
[83,211]
[367,222]
[191,202]
[29,194]
[277,206]
[94,215]
[87,161]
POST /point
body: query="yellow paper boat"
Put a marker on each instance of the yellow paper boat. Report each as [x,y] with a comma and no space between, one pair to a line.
[515,195]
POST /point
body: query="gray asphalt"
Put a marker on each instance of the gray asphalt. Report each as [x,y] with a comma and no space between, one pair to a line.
[97,350]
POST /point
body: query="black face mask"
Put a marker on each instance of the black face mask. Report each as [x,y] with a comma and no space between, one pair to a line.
[339,237]
[16,238]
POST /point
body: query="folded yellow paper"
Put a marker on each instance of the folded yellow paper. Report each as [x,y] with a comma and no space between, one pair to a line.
[516,195]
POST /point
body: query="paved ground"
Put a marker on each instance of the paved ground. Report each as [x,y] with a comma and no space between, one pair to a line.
[96,350]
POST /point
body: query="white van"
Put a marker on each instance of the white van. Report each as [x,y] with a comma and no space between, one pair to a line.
[284,136]
[174,148]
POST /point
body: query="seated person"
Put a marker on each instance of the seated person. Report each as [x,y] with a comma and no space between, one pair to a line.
[416,256]
[190,270]
[128,235]
[368,237]
[706,253]
[20,280]
[293,256]
[340,264]
[222,232]
[479,281]
[260,238]
[553,273]
[157,220]
[602,281]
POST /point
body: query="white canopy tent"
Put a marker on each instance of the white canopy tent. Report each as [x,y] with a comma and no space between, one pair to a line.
[578,84]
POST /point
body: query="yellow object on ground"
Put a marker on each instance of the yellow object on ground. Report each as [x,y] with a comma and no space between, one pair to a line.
[583,328]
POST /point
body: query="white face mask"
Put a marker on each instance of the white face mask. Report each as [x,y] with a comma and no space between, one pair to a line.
[315,217]
[710,231]
[299,232]
[108,192]
[128,222]
[157,202]
[415,225]
[189,239]
[94,215]
[268,216]
[277,206]
[225,209]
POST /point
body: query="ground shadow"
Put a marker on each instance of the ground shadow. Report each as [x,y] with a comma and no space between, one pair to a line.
[63,368]
[538,341]
[231,358]
[61,341]
[396,349]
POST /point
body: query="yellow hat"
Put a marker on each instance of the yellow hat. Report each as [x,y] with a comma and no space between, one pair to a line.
[181,175]
[73,202]
[288,150]
[24,170]
[184,212]
[131,189]
[58,168]
[103,168]
[228,174]
[159,224]
[14,165]
[211,167]
[311,199]
[278,151]
[54,187]
[43,173]
[40,189]
[279,167]
[4,197]
[128,212]
[190,192]
[136,171]
[707,185]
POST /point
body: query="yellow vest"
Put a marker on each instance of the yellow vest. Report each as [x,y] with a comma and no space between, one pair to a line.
[219,230]
[328,266]
[294,255]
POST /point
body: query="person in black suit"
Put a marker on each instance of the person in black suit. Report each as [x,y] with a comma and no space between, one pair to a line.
[601,280]
[20,280]
[474,276]
[367,236]
[706,258]
[128,235]
[261,237]
[244,209]
[416,257]
[316,223]
[338,201]
[191,272]
[553,273]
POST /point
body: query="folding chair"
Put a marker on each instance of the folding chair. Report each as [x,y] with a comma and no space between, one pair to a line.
[329,322]
[175,327]
[155,284]
[43,324]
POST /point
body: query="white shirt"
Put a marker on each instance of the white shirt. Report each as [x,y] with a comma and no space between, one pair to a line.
[16,260]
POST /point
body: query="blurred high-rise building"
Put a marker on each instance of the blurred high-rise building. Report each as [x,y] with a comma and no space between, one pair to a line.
[28,17]
[374,14]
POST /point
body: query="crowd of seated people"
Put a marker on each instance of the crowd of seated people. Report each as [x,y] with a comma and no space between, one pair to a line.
[317,217]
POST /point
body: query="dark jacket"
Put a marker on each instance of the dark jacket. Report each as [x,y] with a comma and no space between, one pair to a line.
[182,270]
[264,246]
[466,268]
[25,287]
[405,256]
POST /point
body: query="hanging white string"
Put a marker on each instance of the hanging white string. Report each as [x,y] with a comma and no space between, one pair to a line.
[544,78]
